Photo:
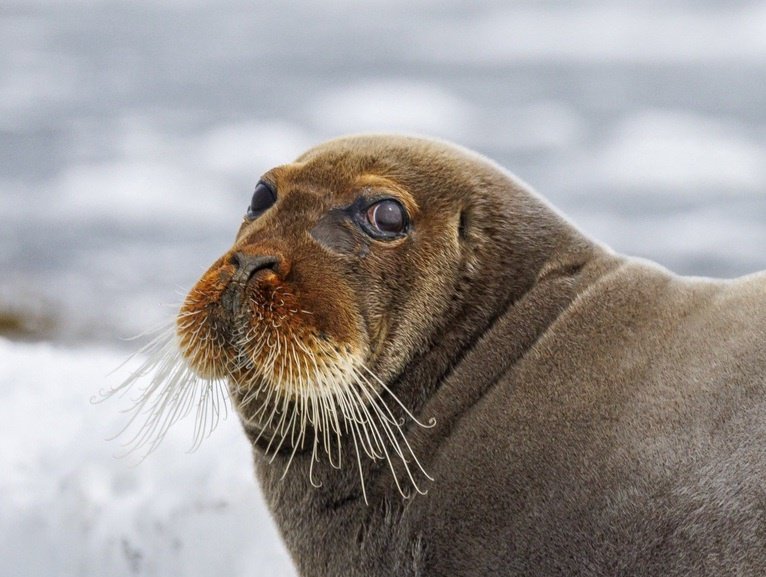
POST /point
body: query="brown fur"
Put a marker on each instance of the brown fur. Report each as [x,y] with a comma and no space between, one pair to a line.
[594,415]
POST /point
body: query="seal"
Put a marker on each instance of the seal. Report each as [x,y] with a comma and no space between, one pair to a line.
[440,375]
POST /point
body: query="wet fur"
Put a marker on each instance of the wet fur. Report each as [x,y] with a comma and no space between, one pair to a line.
[594,415]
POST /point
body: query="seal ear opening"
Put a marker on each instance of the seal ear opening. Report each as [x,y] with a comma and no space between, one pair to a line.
[462,225]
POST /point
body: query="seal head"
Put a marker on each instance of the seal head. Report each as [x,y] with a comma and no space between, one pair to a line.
[351,262]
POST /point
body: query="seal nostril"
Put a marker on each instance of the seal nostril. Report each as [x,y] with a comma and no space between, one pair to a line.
[249,264]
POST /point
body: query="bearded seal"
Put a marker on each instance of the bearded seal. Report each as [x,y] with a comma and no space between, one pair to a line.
[440,375]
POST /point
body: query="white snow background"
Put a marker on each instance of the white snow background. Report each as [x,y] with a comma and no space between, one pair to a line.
[131,136]
[70,507]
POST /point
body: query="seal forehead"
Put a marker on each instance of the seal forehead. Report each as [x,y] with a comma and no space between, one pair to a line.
[366,151]
[423,175]
[431,170]
[331,168]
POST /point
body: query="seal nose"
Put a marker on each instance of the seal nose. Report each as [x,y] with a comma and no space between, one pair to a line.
[247,265]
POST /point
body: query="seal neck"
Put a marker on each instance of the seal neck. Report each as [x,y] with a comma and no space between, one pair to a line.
[477,350]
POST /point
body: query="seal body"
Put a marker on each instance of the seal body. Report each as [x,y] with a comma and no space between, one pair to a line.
[534,404]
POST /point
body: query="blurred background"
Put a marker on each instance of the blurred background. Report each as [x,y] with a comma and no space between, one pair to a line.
[132,134]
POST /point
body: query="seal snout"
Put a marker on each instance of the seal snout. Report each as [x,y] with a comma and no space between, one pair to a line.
[247,266]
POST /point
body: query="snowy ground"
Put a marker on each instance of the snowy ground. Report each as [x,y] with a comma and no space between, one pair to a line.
[132,132]
[69,506]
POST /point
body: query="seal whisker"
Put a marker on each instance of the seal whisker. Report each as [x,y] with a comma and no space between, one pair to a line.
[329,414]
[361,472]
[357,406]
[393,440]
[153,350]
[379,404]
[209,414]
[431,421]
[283,436]
[168,397]
[173,402]
[314,459]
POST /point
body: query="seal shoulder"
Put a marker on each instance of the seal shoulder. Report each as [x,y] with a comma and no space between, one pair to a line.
[623,424]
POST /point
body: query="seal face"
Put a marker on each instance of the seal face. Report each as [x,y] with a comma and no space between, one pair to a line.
[400,316]
[320,302]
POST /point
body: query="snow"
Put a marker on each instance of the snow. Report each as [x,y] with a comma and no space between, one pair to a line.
[69,507]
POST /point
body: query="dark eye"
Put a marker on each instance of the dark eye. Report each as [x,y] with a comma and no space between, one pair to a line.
[387,218]
[263,197]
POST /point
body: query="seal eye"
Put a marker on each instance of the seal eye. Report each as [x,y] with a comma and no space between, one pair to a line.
[387,218]
[263,197]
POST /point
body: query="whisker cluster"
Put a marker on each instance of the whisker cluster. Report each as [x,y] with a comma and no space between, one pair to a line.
[168,390]
[293,386]
[326,398]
